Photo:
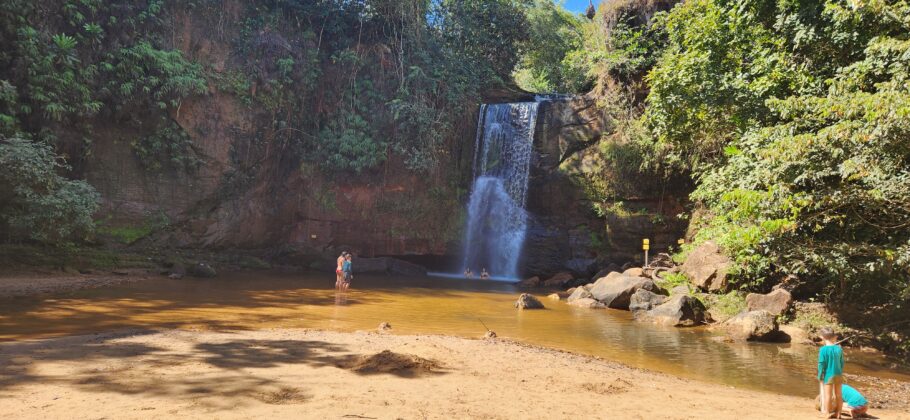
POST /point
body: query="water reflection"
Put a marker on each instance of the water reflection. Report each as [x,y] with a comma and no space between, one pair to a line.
[433,306]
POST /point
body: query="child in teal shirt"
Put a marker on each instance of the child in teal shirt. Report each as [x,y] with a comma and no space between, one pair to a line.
[830,373]
[853,401]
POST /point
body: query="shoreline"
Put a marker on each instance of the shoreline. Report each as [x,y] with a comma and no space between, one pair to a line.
[328,374]
[28,283]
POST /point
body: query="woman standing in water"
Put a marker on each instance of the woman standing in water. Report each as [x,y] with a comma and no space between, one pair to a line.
[339,272]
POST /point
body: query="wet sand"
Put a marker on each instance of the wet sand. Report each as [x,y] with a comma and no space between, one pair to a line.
[298,373]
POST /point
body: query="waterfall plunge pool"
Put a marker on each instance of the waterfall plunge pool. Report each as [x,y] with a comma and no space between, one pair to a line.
[458,307]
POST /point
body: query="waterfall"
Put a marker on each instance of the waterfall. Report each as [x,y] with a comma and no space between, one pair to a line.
[497,220]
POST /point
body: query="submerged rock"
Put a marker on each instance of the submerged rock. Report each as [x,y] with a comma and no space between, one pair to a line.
[202,270]
[553,296]
[616,289]
[645,300]
[526,301]
[776,303]
[753,326]
[678,311]
[385,326]
[707,267]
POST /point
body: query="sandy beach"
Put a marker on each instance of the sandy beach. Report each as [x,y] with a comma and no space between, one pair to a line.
[297,373]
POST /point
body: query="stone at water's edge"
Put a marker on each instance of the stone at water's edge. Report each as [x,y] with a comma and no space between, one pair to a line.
[707,267]
[559,280]
[579,293]
[526,301]
[645,300]
[777,302]
[616,289]
[587,303]
[553,296]
[678,311]
[530,282]
[202,270]
[753,326]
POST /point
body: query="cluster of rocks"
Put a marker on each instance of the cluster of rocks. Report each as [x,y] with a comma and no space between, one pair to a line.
[634,289]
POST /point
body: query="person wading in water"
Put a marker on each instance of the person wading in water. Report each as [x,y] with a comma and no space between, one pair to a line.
[348,271]
[339,273]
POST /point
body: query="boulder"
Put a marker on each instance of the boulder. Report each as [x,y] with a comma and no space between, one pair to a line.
[752,326]
[777,302]
[679,290]
[201,270]
[526,301]
[796,334]
[553,296]
[677,311]
[530,282]
[559,280]
[645,300]
[579,293]
[635,272]
[582,266]
[616,289]
[587,303]
[707,267]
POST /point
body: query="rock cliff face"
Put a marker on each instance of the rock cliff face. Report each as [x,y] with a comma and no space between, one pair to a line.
[566,232]
[249,194]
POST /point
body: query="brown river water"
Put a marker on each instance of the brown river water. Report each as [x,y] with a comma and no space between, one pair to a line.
[239,301]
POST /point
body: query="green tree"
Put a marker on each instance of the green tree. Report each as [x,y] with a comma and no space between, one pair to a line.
[36,203]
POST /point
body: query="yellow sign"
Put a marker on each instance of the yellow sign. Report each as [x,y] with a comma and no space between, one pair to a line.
[645,244]
[646,247]
[681,241]
[645,241]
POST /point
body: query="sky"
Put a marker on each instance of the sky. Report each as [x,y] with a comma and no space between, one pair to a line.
[576,6]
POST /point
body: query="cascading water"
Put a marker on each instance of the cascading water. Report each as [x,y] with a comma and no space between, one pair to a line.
[497,220]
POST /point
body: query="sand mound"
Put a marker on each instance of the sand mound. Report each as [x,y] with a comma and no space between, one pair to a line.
[390,362]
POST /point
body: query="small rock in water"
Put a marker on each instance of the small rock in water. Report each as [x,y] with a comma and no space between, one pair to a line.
[526,301]
[202,270]
[553,296]
[385,326]
[490,334]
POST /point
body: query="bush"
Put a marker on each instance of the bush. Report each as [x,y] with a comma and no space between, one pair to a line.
[35,202]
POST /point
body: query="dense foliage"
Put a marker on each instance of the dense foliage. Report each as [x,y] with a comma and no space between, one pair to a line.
[35,202]
[342,86]
[791,117]
[794,118]
[70,66]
